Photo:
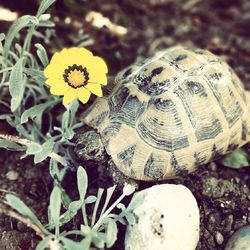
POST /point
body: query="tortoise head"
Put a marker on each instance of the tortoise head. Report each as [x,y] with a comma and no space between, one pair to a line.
[89,146]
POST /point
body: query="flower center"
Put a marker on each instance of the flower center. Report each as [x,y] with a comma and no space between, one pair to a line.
[76,76]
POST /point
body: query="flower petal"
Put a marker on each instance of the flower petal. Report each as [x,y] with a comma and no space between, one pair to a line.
[94,88]
[69,96]
[52,71]
[58,87]
[79,56]
[83,94]
[55,81]
[56,67]
[96,77]
[98,65]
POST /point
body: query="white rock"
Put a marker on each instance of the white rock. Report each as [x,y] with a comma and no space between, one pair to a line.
[167,219]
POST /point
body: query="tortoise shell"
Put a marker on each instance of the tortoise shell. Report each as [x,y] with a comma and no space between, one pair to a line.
[170,113]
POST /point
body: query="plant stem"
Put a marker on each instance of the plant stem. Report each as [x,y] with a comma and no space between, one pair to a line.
[99,222]
[27,42]
[84,215]
[57,231]
[27,222]
[99,196]
[25,142]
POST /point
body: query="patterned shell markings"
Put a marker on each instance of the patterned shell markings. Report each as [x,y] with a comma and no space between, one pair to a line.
[171,113]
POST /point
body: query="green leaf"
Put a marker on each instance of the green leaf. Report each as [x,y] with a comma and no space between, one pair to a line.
[90,199]
[108,197]
[44,243]
[18,48]
[44,5]
[71,212]
[2,37]
[20,206]
[44,17]
[73,109]
[5,116]
[69,133]
[17,84]
[70,244]
[36,74]
[128,189]
[65,119]
[99,196]
[86,230]
[45,24]
[121,206]
[85,243]
[54,170]
[69,116]
[82,182]
[58,174]
[42,54]
[130,218]
[33,148]
[236,159]
[47,148]
[19,24]
[67,216]
[74,206]
[99,240]
[111,233]
[137,200]
[10,145]
[55,206]
[34,111]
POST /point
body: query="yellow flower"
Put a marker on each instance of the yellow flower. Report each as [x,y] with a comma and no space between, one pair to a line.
[76,73]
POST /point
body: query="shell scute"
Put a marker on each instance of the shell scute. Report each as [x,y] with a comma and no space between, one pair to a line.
[153,80]
[226,94]
[152,168]
[161,127]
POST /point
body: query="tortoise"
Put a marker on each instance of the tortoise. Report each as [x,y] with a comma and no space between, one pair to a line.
[167,115]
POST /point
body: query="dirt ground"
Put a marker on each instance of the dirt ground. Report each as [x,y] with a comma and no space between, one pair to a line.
[221,26]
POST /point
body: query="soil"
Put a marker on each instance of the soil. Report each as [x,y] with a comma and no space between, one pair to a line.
[221,26]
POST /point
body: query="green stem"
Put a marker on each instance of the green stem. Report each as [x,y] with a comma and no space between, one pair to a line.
[84,215]
[99,196]
[27,41]
[99,222]
[6,69]
[57,231]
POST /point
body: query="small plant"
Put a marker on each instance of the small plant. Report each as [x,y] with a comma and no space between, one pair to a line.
[44,129]
[25,97]
[100,231]
[236,159]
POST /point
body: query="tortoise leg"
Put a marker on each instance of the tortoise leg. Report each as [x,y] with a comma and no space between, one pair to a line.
[119,178]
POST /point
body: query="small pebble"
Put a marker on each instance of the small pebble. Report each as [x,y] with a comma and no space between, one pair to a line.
[212,166]
[240,239]
[12,175]
[21,227]
[219,238]
[239,224]
[228,222]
